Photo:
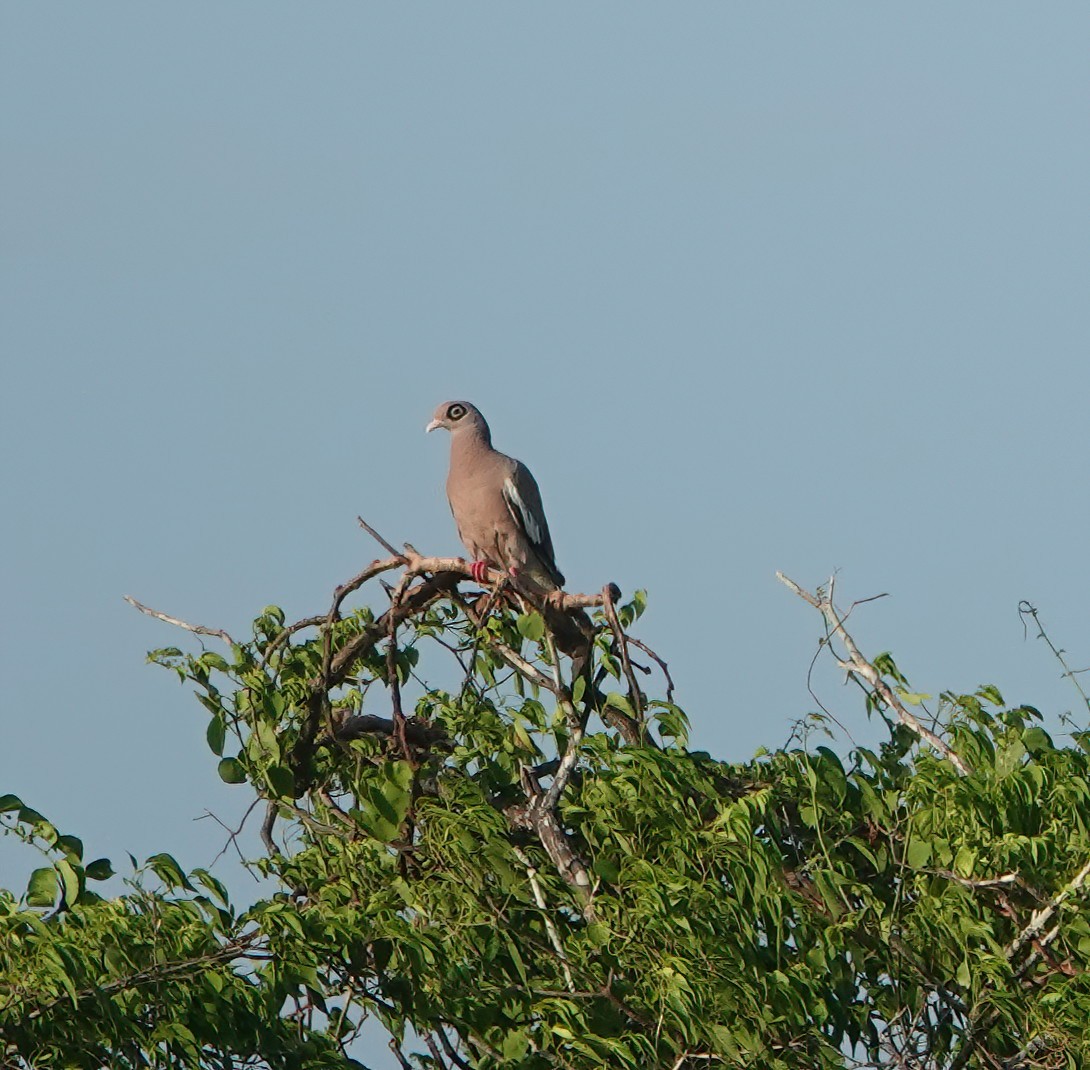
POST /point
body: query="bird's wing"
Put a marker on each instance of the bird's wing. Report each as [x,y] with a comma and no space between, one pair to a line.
[523,499]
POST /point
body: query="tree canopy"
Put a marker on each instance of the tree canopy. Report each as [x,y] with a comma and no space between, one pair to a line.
[530,867]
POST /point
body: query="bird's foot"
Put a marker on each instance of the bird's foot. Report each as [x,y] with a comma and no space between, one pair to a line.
[479,570]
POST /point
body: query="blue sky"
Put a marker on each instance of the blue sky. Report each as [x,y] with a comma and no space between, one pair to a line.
[749,287]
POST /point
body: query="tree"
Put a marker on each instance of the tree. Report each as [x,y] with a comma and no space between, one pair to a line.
[532,869]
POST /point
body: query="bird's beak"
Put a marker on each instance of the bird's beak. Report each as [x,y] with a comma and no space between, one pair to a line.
[433,425]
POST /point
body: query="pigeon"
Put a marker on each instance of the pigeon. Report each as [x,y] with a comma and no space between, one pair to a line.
[496,503]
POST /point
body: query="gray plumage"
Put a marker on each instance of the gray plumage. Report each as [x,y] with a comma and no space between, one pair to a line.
[495,501]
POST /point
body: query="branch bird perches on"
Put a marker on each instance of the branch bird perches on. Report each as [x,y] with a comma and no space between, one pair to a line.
[421,582]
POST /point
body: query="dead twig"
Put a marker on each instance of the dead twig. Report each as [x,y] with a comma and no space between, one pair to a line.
[232,834]
[1041,918]
[1005,880]
[196,629]
[658,661]
[392,679]
[1032,935]
[544,824]
[378,538]
[550,928]
[1025,609]
[621,647]
[267,829]
[452,1055]
[857,665]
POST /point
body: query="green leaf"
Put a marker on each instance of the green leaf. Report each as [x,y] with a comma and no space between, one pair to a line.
[387,799]
[216,734]
[99,870]
[516,957]
[281,781]
[964,862]
[400,774]
[598,933]
[263,744]
[69,881]
[607,869]
[166,868]
[531,626]
[620,702]
[116,963]
[515,1046]
[72,846]
[41,890]
[1010,758]
[918,853]
[231,771]
[1037,739]
[212,884]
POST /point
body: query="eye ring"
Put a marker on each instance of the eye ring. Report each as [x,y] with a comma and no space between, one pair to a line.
[456,412]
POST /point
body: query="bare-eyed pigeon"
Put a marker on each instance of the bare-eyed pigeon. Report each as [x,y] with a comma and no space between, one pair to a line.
[495,502]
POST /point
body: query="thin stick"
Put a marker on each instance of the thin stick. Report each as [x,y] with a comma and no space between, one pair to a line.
[395,684]
[233,834]
[434,1049]
[378,538]
[1040,918]
[197,629]
[550,928]
[575,739]
[658,661]
[453,1055]
[858,665]
[622,649]
[1025,609]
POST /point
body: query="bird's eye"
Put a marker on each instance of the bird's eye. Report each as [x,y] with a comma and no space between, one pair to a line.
[456,412]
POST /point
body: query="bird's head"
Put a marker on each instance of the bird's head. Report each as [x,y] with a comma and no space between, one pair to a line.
[457,416]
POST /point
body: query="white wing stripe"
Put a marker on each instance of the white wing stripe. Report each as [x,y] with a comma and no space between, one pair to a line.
[525,516]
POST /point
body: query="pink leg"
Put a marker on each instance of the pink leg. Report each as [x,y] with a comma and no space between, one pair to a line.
[479,569]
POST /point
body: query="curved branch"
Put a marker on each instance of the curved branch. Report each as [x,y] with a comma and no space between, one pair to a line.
[858,665]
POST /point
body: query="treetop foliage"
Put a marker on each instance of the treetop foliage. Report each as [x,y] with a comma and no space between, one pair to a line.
[530,868]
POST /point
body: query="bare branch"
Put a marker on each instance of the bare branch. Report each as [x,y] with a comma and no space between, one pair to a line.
[1037,1046]
[452,1055]
[419,565]
[1032,935]
[396,1049]
[267,829]
[621,647]
[357,581]
[392,680]
[1025,609]
[232,834]
[550,928]
[658,661]
[544,824]
[857,665]
[196,629]
[377,537]
[1041,918]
